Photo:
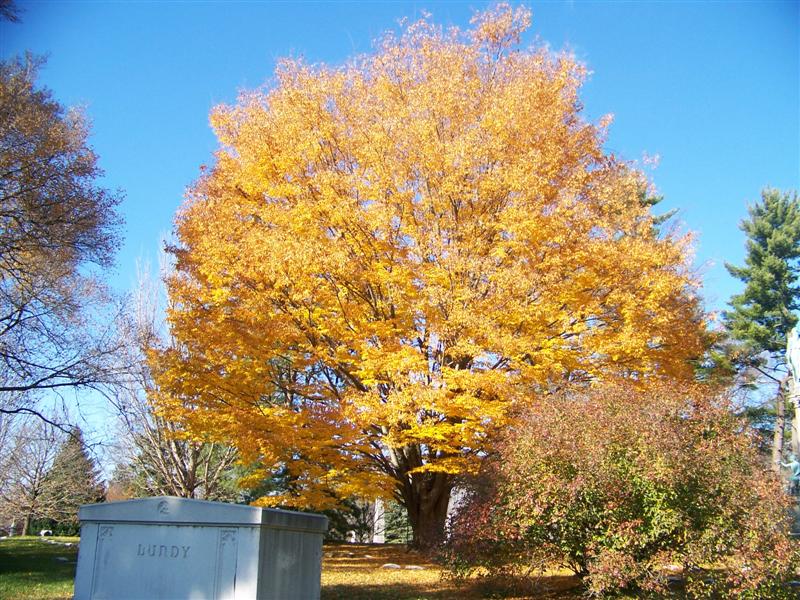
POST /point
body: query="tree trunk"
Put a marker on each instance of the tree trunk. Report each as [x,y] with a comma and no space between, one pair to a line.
[777,436]
[426,497]
[26,525]
[794,400]
[427,509]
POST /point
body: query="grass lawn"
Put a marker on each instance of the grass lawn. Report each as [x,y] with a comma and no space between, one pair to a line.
[30,569]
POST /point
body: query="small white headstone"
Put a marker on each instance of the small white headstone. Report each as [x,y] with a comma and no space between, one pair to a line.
[164,548]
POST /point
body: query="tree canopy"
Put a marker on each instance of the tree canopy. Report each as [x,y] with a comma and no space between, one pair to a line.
[156,458]
[26,457]
[56,226]
[388,257]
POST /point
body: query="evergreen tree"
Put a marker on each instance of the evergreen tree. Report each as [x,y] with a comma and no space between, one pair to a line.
[648,199]
[73,480]
[397,529]
[761,316]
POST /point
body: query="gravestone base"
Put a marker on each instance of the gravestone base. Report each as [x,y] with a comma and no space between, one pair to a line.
[172,548]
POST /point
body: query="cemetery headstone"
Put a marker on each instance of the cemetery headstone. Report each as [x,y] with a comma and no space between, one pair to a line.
[173,548]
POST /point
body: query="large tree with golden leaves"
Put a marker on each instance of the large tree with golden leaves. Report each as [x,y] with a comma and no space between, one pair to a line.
[389,257]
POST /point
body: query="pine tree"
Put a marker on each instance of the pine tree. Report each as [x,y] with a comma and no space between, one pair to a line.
[762,316]
[397,529]
[73,480]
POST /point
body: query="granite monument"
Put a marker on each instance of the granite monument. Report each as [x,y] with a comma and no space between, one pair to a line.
[175,548]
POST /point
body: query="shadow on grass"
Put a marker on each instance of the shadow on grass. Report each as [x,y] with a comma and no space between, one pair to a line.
[359,572]
[546,588]
[388,591]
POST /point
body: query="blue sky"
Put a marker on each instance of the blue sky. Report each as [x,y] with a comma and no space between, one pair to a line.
[711,88]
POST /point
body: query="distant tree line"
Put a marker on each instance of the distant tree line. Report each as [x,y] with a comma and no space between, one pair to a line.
[45,476]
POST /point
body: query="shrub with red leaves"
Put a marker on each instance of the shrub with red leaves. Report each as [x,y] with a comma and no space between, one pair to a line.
[622,485]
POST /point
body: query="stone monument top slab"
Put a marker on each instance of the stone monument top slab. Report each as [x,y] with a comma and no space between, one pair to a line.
[169,510]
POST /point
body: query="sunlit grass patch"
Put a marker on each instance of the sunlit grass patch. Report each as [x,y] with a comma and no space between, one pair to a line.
[31,569]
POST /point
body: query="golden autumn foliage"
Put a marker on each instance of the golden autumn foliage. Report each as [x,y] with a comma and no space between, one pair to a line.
[388,256]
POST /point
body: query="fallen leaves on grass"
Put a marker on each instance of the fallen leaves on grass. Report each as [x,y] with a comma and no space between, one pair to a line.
[354,572]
